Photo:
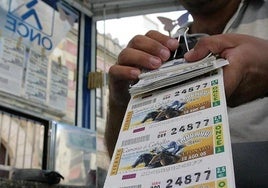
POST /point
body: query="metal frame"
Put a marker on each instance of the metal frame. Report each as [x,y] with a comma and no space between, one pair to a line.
[124,8]
[44,122]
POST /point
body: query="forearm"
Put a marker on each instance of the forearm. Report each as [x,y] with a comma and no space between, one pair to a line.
[118,101]
[114,120]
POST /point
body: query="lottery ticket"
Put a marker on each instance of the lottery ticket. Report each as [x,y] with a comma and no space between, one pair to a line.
[173,137]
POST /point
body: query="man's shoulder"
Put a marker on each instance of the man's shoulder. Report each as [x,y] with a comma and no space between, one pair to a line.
[257,9]
[252,16]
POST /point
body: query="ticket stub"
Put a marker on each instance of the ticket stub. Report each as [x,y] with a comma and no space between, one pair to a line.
[175,137]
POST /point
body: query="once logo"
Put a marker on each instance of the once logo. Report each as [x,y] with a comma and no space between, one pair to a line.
[25,20]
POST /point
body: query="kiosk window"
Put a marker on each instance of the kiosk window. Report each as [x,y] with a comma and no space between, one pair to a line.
[38,58]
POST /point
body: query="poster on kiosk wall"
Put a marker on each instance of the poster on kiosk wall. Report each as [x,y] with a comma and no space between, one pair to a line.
[11,66]
[30,30]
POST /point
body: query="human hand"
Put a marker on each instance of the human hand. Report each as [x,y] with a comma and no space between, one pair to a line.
[142,52]
[246,76]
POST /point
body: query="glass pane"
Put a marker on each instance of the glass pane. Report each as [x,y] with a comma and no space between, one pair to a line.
[38,58]
[74,154]
[22,143]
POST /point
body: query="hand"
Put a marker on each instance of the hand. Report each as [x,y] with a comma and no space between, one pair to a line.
[142,52]
[246,77]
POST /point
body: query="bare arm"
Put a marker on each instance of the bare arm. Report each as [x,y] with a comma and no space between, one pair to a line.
[116,111]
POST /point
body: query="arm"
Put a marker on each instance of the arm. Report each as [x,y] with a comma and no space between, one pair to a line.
[246,77]
[148,51]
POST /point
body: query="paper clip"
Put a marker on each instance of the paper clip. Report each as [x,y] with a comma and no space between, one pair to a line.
[182,32]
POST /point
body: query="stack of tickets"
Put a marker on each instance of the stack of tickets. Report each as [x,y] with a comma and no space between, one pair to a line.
[175,71]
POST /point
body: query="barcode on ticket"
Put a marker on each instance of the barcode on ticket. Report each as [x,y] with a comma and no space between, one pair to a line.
[135,140]
[132,186]
[143,104]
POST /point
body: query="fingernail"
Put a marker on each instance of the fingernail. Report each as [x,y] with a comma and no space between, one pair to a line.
[164,54]
[134,73]
[155,62]
[189,53]
[171,43]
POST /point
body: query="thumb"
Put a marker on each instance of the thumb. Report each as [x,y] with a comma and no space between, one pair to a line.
[195,54]
[215,44]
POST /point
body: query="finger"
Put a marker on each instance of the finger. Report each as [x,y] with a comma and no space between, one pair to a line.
[155,44]
[171,43]
[118,72]
[213,44]
[138,59]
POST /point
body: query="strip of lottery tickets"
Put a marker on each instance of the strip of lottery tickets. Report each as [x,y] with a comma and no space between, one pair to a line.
[176,136]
